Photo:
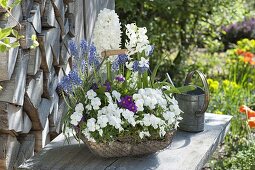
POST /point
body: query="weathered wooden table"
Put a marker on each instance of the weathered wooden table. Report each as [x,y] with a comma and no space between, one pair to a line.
[188,151]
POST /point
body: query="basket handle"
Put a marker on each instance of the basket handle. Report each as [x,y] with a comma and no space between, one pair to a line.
[206,89]
[107,53]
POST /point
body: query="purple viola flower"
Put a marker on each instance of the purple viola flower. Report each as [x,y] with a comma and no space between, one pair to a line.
[94,86]
[108,86]
[120,78]
[84,47]
[73,49]
[128,103]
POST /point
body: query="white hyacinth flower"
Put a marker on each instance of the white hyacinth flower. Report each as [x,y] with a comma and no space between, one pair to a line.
[144,62]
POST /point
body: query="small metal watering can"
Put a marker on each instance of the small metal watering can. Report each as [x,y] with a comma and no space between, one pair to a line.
[194,104]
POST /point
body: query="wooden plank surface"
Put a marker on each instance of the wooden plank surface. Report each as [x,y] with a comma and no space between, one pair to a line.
[187,151]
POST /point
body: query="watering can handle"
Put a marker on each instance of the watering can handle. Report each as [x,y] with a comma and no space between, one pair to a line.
[206,88]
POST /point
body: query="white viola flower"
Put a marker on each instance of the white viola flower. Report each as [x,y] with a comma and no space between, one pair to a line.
[115,121]
[130,65]
[139,103]
[116,95]
[155,121]
[162,131]
[169,116]
[95,102]
[88,107]
[144,133]
[88,135]
[76,118]
[137,97]
[100,132]
[152,103]
[109,97]
[102,121]
[146,121]
[129,116]
[107,31]
[91,124]
[79,108]
[142,92]
[175,109]
[91,94]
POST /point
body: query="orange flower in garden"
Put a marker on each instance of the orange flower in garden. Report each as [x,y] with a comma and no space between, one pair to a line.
[245,109]
[239,52]
[251,122]
[247,56]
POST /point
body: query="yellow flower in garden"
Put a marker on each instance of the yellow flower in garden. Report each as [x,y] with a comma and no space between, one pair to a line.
[226,83]
[213,84]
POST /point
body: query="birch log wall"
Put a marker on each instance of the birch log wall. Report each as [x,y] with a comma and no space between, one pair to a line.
[30,108]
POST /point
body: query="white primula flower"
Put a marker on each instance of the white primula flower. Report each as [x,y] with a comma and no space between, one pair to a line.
[102,121]
[76,118]
[144,62]
[91,94]
[144,133]
[95,102]
[107,31]
[116,95]
[79,108]
[91,124]
[109,97]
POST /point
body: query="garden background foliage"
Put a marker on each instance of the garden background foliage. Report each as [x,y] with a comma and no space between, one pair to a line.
[205,35]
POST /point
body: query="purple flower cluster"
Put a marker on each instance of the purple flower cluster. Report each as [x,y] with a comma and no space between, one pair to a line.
[73,49]
[120,60]
[239,30]
[107,84]
[84,47]
[128,103]
[94,86]
[120,78]
[136,67]
[69,81]
[92,58]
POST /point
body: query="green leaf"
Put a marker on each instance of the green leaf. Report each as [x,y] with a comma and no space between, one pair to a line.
[154,73]
[15,44]
[4,4]
[3,48]
[15,33]
[5,33]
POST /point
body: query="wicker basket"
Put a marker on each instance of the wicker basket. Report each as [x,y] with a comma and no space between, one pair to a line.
[121,149]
